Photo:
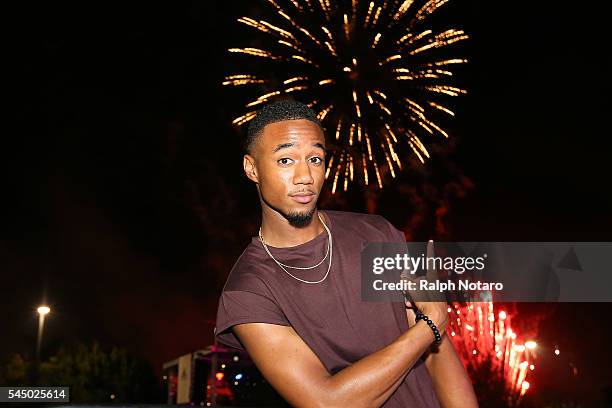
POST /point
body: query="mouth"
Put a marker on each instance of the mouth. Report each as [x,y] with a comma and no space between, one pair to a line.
[303,198]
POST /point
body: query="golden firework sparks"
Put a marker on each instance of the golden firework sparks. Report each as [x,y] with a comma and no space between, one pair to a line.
[403,8]
[323,113]
[364,166]
[331,49]
[442,108]
[238,80]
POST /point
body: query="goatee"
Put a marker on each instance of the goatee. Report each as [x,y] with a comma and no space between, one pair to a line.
[298,219]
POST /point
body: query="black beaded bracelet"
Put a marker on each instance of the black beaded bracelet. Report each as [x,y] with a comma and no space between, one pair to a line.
[421,316]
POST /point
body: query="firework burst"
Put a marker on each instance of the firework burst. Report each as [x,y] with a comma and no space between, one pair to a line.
[378,78]
[491,349]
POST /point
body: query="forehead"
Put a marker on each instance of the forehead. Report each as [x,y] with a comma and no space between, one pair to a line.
[296,131]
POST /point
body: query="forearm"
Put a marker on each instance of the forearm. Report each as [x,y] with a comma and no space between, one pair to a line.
[451,382]
[370,381]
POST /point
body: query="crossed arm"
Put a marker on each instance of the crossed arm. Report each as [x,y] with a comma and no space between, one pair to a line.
[298,375]
[451,382]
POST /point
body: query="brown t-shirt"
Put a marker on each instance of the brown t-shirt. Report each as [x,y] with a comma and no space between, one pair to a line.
[330,316]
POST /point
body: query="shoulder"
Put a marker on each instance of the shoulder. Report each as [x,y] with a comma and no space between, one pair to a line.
[365,223]
[355,218]
[249,272]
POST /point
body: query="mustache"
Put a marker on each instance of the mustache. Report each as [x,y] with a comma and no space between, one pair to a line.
[303,192]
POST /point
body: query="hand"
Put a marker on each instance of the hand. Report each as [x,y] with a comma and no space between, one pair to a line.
[431,304]
[436,311]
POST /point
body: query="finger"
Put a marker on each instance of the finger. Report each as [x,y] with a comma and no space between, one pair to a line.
[432,273]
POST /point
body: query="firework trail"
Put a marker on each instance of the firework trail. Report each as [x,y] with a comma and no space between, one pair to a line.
[376,74]
[490,348]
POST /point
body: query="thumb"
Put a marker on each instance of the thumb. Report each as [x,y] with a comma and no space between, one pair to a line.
[432,273]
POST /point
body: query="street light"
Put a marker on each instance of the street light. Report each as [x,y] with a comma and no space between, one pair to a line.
[42,311]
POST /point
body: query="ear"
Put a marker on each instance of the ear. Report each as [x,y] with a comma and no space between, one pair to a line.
[248,163]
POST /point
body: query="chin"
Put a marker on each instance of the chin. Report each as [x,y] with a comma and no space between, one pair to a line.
[300,217]
[302,211]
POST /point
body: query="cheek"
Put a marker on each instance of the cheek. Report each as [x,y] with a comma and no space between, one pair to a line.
[275,180]
[320,171]
[318,174]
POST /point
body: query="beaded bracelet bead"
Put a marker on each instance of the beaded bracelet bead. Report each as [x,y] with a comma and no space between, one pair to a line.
[421,316]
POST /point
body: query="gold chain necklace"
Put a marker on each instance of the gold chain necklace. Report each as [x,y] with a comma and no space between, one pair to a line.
[282,266]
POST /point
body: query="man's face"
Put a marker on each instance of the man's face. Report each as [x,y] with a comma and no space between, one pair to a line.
[289,168]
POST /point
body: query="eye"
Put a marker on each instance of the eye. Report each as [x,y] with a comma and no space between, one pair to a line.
[285,160]
[316,160]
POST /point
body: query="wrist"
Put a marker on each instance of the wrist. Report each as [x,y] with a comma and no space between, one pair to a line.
[437,336]
[435,316]
[420,336]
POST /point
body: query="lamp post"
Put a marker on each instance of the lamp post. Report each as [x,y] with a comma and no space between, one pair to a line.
[42,312]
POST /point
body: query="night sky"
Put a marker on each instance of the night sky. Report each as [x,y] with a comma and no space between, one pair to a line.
[124,205]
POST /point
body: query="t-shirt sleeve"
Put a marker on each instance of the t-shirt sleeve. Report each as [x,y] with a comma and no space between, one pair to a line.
[251,304]
[396,234]
[392,234]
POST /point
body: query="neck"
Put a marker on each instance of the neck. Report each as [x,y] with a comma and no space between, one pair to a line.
[277,231]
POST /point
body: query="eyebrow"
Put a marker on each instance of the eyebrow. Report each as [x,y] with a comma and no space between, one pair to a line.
[288,145]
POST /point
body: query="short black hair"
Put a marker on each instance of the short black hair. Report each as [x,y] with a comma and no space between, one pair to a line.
[277,112]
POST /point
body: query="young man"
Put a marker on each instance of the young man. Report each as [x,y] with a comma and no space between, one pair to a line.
[293,298]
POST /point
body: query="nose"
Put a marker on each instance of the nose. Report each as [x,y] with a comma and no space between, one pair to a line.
[302,174]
